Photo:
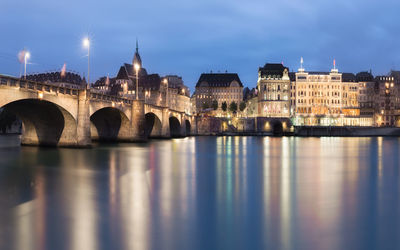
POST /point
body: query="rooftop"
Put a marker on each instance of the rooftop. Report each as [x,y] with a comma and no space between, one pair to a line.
[219,79]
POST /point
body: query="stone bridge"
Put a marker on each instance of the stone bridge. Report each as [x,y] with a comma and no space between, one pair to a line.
[55,115]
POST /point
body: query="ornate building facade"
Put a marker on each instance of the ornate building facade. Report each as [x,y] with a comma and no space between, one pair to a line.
[273,91]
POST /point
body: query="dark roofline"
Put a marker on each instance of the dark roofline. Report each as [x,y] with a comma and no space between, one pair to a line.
[219,79]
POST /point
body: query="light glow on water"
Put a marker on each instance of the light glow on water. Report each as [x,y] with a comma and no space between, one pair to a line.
[204,193]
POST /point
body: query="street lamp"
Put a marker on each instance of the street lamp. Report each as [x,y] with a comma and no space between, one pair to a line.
[137,67]
[166,93]
[86,44]
[27,55]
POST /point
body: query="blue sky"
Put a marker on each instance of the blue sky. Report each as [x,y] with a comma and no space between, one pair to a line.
[188,38]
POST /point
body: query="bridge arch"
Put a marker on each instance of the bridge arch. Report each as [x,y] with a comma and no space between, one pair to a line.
[110,124]
[153,126]
[44,123]
[174,127]
[188,127]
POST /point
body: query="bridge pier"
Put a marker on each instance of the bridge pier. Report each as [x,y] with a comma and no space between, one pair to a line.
[183,126]
[138,121]
[165,130]
[83,120]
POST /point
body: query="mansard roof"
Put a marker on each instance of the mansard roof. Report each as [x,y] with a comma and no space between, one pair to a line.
[219,79]
[273,69]
[364,76]
[348,77]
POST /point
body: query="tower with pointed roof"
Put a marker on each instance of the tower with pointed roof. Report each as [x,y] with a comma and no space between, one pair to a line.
[136,57]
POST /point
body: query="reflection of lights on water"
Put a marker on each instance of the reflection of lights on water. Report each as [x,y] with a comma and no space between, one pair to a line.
[24,236]
[285,201]
[134,193]
[380,158]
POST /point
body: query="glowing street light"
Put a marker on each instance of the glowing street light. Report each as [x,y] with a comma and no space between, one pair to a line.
[86,44]
[166,93]
[137,67]
[27,55]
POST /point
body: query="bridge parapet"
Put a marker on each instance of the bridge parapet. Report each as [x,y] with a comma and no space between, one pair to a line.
[110,98]
[38,86]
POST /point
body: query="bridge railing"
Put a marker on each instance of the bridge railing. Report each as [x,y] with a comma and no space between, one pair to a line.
[111,98]
[37,86]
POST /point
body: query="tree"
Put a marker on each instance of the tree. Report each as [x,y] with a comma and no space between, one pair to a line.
[214,104]
[205,106]
[233,107]
[224,106]
[242,106]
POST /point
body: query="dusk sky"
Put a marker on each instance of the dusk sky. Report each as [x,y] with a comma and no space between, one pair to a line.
[188,38]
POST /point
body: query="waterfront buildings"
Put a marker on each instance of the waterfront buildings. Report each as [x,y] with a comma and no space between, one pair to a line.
[217,88]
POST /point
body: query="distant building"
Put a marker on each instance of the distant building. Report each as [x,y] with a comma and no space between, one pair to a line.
[273,91]
[104,84]
[366,93]
[251,99]
[152,88]
[219,87]
[387,100]
[69,79]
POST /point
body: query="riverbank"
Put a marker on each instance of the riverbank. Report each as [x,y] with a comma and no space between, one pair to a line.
[345,131]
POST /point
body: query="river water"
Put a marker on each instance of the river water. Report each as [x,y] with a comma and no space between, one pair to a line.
[203,193]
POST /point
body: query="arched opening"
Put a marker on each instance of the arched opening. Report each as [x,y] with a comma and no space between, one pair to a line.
[174,127]
[43,123]
[187,127]
[277,128]
[153,126]
[109,124]
[9,122]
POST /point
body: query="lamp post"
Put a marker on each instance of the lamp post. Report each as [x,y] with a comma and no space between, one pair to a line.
[27,55]
[86,43]
[166,93]
[137,67]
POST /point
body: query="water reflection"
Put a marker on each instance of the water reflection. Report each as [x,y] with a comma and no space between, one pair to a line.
[204,193]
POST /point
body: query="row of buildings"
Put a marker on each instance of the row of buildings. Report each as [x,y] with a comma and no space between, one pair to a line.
[307,97]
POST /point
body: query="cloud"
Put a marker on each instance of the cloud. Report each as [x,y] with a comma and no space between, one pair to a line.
[190,37]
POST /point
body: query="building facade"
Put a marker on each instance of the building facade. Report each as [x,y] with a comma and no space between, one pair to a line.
[327,99]
[273,87]
[387,101]
[219,88]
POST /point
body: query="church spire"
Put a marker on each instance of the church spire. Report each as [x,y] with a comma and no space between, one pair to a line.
[136,57]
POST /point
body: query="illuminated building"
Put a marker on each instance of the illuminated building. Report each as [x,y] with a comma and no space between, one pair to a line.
[152,88]
[251,99]
[387,101]
[366,94]
[273,91]
[219,87]
[326,99]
